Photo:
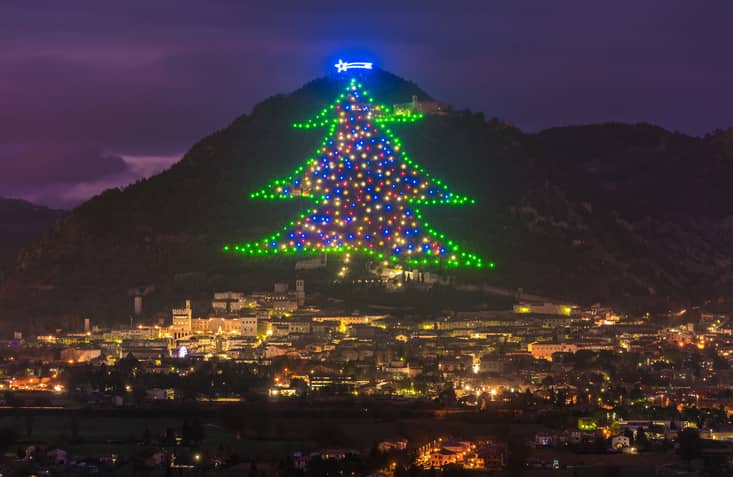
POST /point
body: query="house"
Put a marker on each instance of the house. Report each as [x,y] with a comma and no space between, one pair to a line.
[155,459]
[58,456]
[542,439]
[421,107]
[620,442]
[261,469]
[337,454]
[392,444]
[441,458]
[492,457]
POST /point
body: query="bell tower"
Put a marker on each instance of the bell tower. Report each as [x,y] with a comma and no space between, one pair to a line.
[300,292]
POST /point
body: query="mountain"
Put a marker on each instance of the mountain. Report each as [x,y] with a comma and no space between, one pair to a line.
[20,223]
[630,214]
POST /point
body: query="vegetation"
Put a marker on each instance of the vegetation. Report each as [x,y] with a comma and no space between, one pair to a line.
[626,205]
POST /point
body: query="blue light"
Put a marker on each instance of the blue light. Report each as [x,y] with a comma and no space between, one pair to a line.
[343,66]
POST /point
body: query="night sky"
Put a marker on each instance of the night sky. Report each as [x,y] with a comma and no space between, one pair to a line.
[98,94]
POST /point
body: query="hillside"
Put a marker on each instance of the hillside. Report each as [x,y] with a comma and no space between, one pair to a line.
[631,214]
[21,222]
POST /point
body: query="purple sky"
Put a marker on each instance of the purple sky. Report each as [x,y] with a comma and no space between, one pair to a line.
[98,94]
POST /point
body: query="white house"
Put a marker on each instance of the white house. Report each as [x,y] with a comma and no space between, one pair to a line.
[57,456]
[620,442]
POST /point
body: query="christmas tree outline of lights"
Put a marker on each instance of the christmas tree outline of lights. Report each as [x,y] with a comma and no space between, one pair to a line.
[433,247]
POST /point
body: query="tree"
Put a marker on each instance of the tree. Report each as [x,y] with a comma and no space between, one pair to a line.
[642,442]
[636,393]
[561,396]
[447,396]
[300,386]
[75,437]
[719,362]
[611,471]
[318,467]
[198,433]
[139,393]
[366,192]
[169,437]
[600,445]
[377,459]
[690,444]
[517,458]
[186,431]
[455,470]
[630,434]
[147,436]
[584,359]
[28,424]
[8,437]
[400,471]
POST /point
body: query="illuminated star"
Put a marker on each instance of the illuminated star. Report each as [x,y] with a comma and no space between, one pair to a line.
[341,66]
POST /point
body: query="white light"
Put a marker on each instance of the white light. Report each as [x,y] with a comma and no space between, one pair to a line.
[342,65]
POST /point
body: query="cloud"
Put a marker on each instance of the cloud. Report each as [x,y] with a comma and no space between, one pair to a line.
[34,164]
[146,166]
[63,175]
[147,79]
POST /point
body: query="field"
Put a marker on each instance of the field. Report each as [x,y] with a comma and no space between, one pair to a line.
[268,433]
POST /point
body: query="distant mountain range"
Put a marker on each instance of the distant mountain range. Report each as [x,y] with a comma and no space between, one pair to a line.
[21,223]
[629,214]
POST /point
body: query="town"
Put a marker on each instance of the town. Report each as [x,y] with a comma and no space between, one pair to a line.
[396,239]
[553,382]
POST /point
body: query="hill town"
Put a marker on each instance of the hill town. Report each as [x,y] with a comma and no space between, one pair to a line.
[522,275]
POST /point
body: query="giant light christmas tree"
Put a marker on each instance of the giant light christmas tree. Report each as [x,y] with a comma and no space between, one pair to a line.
[366,191]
